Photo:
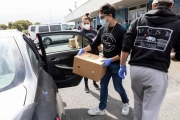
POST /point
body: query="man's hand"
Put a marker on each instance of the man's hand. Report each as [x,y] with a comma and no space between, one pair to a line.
[122,72]
[107,62]
[81,51]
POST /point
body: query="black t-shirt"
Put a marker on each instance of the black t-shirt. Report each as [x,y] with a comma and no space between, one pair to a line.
[89,33]
[111,38]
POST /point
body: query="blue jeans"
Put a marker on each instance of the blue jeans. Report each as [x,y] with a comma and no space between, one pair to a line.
[112,71]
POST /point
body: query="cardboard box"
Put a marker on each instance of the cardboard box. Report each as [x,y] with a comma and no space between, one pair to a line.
[72,43]
[90,66]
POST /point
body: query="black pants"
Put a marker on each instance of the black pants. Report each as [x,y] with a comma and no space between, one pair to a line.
[86,81]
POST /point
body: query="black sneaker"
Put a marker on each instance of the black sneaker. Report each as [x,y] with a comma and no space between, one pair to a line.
[87,89]
[96,86]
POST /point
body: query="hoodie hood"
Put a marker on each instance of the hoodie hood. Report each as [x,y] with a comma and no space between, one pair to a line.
[160,15]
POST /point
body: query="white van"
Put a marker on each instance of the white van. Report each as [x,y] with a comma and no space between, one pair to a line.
[34,29]
[31,31]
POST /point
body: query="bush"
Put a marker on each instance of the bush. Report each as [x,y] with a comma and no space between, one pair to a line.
[25,31]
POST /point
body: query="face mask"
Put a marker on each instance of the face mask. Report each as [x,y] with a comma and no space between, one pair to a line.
[104,23]
[87,26]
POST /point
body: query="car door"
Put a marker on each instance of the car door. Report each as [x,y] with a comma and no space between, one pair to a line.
[58,57]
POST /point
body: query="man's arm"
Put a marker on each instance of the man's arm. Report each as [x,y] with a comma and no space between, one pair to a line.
[173,57]
[176,56]
[115,58]
[87,49]
[97,41]
[128,42]
[123,58]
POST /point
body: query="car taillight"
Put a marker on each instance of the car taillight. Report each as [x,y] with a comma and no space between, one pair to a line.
[28,34]
[36,36]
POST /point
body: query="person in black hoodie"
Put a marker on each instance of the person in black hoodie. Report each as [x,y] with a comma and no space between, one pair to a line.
[87,30]
[150,40]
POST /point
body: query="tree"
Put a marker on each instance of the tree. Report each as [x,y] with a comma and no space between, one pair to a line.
[10,24]
[20,25]
[3,26]
[25,31]
[37,23]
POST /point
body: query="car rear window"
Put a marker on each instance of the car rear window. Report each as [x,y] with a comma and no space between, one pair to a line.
[55,28]
[11,64]
[43,29]
[33,28]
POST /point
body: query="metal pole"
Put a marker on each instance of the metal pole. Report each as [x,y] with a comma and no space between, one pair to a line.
[50,16]
[75,5]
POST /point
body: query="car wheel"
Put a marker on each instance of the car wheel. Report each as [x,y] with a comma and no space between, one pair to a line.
[47,41]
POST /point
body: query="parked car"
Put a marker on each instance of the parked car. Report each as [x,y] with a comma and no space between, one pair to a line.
[34,29]
[58,38]
[30,78]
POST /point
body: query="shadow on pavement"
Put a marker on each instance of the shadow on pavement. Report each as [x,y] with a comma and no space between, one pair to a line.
[114,107]
[81,114]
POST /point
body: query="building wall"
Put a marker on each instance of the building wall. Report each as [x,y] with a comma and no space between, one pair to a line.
[123,14]
[176,7]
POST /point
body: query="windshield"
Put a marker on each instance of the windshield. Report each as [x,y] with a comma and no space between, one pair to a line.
[66,27]
[10,59]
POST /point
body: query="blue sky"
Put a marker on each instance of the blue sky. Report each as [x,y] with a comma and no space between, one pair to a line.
[36,10]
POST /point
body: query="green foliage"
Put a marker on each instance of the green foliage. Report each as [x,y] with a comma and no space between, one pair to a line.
[25,31]
[20,25]
[3,26]
[37,23]
[10,24]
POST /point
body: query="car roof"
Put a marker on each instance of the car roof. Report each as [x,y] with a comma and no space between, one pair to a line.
[7,33]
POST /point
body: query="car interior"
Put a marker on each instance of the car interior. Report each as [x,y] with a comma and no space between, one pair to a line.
[59,57]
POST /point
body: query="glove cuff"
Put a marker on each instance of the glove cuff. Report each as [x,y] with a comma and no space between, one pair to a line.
[123,66]
[111,59]
[82,49]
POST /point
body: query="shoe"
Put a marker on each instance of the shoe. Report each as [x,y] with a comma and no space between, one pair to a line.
[87,89]
[125,109]
[96,86]
[96,111]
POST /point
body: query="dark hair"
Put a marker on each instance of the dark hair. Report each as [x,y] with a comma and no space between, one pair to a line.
[108,9]
[126,20]
[87,17]
[163,4]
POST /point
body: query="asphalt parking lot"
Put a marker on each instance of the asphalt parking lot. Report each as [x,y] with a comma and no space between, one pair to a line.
[77,102]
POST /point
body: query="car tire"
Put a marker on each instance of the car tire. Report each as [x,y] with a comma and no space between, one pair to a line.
[47,41]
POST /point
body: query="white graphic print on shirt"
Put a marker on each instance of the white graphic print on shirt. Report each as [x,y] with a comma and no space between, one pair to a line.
[153,38]
[91,35]
[108,44]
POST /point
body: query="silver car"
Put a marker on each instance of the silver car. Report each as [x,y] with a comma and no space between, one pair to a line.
[30,77]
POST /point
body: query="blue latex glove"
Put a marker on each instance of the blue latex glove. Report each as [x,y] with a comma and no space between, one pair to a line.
[122,72]
[107,62]
[81,51]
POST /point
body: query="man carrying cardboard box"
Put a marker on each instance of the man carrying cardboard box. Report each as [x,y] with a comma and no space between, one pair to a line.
[110,35]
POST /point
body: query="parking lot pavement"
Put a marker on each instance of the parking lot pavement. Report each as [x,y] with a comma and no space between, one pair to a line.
[77,102]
